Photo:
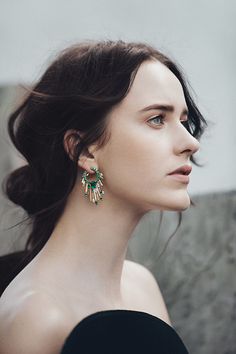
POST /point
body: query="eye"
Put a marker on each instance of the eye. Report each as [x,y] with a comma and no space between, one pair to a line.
[160,117]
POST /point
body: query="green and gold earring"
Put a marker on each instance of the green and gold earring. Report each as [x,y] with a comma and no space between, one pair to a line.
[93,189]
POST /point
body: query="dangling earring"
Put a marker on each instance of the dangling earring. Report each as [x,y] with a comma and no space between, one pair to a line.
[93,189]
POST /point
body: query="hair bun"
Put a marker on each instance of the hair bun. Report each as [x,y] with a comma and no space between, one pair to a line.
[20,186]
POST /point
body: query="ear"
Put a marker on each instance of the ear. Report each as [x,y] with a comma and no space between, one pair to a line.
[86,158]
[71,138]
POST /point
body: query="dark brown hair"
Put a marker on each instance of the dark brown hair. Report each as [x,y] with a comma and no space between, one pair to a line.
[76,92]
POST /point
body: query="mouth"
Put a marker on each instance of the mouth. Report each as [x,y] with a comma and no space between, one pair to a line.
[179,177]
[181,174]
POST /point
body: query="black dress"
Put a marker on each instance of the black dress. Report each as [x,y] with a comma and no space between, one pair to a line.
[123,332]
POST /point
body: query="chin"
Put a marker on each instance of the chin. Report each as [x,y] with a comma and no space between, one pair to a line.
[181,205]
[177,203]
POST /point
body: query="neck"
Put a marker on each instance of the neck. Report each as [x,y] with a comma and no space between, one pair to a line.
[90,241]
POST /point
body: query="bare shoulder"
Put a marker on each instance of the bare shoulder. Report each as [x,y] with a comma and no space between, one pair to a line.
[34,324]
[147,291]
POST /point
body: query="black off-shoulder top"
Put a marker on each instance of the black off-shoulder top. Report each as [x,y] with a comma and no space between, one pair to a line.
[123,332]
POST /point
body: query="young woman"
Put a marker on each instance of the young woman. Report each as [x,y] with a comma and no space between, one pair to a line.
[108,134]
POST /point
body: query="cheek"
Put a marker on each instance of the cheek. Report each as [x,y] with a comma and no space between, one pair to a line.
[134,161]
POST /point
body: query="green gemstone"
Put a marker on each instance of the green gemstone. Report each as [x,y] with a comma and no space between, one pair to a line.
[93,184]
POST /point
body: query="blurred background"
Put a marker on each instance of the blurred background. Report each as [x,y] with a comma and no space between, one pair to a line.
[196,273]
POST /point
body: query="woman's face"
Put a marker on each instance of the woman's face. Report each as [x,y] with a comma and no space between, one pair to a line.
[147,144]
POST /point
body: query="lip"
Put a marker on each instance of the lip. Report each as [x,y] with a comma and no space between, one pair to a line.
[183,170]
[179,177]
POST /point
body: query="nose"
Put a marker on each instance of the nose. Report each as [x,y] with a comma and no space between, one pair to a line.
[186,143]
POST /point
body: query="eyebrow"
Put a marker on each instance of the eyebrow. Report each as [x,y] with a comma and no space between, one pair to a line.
[163,107]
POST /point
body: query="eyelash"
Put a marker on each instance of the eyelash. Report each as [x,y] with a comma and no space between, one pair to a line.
[160,116]
[163,118]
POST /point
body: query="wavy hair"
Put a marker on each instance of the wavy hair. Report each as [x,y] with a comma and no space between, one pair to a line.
[78,89]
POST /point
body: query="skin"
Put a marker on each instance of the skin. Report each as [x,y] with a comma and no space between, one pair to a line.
[86,252]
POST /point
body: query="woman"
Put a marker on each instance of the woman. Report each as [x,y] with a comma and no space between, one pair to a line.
[102,133]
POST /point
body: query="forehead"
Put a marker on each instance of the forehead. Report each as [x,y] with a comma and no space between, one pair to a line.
[154,83]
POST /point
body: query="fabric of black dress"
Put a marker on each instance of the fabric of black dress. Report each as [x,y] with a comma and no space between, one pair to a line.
[123,332]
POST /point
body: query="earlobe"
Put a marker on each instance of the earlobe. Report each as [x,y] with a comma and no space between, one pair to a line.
[86,163]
